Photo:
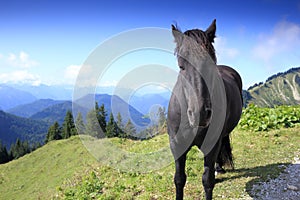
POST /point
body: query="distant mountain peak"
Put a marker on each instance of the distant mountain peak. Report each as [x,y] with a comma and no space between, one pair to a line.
[11,97]
[292,70]
[280,89]
[27,110]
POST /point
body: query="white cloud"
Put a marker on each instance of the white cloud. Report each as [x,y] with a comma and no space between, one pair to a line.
[284,38]
[21,60]
[20,76]
[223,51]
[71,73]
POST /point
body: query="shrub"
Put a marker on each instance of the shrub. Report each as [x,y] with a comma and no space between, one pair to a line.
[90,187]
[264,119]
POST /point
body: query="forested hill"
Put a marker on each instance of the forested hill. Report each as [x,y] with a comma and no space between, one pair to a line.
[53,113]
[279,89]
[115,104]
[27,110]
[13,127]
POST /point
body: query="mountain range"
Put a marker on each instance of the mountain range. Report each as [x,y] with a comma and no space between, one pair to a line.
[11,97]
[34,118]
[146,103]
[114,104]
[280,89]
[29,109]
[23,115]
[23,121]
[13,127]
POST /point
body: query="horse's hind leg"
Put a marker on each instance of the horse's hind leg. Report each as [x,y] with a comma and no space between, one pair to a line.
[219,168]
[180,176]
[224,156]
[219,164]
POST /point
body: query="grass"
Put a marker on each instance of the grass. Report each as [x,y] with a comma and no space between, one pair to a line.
[259,156]
[37,175]
[65,170]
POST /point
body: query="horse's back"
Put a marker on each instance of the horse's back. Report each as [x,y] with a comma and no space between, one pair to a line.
[228,72]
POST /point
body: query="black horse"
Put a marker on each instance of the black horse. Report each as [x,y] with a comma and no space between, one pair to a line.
[205,97]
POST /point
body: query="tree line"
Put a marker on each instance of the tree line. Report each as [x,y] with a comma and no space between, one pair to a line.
[17,150]
[109,127]
[158,126]
[57,132]
[96,125]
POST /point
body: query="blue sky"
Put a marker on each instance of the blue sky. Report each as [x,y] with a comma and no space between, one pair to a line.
[48,41]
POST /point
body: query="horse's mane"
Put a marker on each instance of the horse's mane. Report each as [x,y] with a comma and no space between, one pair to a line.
[201,38]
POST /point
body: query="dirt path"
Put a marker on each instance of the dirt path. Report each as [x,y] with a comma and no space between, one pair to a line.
[285,187]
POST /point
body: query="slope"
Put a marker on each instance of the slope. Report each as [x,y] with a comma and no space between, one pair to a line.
[37,175]
[13,127]
[280,89]
[11,97]
[62,169]
[56,112]
[27,110]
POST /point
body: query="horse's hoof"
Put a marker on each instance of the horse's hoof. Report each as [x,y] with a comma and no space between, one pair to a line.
[220,170]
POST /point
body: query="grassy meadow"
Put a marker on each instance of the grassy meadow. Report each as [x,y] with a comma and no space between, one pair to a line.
[65,169]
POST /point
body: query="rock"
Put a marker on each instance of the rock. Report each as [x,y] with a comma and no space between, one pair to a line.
[292,187]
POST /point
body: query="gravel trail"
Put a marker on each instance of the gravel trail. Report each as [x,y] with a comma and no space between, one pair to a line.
[285,187]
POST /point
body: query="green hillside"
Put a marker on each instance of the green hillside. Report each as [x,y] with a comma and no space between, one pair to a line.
[13,127]
[65,170]
[280,89]
[53,113]
[37,175]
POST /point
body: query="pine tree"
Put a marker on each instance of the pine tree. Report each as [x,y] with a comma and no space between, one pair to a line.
[12,151]
[36,145]
[97,110]
[111,127]
[26,147]
[19,149]
[92,125]
[4,156]
[68,128]
[54,133]
[120,127]
[101,116]
[162,116]
[151,131]
[129,128]
[80,124]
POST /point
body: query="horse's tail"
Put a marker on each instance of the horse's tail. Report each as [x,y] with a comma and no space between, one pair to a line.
[226,152]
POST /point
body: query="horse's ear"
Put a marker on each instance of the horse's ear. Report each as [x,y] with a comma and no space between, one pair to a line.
[177,34]
[211,31]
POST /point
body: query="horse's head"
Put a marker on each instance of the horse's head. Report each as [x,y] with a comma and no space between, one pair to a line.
[194,50]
